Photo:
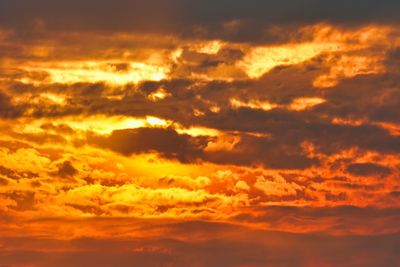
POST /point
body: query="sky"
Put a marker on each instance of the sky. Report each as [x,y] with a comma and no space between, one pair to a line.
[199,133]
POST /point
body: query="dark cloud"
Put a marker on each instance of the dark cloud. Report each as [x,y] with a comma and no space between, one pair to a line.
[235,20]
[7,109]
[291,128]
[66,170]
[395,194]
[121,67]
[368,169]
[61,128]
[88,209]
[13,174]
[393,59]
[249,151]
[269,152]
[192,62]
[167,142]
[336,197]
[375,97]
[24,200]
[363,187]
[287,129]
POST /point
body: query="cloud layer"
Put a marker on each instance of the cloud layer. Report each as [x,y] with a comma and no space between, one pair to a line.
[248,133]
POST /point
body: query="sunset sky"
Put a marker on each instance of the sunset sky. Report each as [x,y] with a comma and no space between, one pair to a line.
[205,133]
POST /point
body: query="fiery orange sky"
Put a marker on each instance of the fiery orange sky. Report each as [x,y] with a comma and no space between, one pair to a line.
[199,133]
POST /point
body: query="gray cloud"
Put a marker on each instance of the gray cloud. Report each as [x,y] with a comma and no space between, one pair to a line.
[66,170]
[166,142]
[368,169]
[234,20]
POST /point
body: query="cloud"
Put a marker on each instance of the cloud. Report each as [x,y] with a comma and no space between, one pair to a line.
[7,109]
[368,169]
[167,142]
[231,20]
[206,133]
[223,245]
[24,200]
[335,220]
[271,153]
[66,169]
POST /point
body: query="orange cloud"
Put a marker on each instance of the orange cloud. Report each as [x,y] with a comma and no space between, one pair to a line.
[205,133]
